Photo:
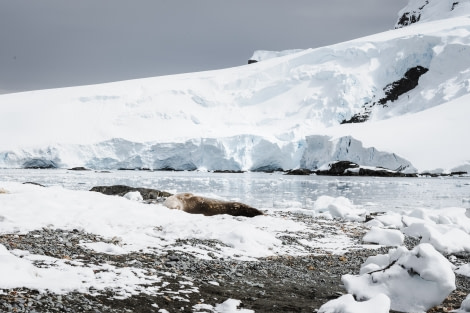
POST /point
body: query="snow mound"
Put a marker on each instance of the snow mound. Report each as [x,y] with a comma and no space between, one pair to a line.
[20,271]
[347,304]
[228,306]
[445,238]
[386,237]
[133,196]
[414,280]
[340,207]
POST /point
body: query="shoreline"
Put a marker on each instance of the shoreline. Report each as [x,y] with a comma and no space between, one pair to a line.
[284,283]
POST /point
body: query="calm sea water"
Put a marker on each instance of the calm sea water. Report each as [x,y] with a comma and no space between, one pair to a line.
[271,190]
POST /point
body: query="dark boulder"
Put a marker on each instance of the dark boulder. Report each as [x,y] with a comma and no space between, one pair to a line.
[121,190]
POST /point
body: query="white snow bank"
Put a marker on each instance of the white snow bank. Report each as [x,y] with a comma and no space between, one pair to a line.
[386,237]
[60,277]
[414,280]
[340,207]
[150,226]
[139,225]
[347,304]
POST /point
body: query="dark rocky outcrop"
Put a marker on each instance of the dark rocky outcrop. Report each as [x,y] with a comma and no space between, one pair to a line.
[393,91]
[403,85]
[408,18]
[347,168]
[413,16]
[300,171]
[39,164]
[121,190]
[252,61]
[338,168]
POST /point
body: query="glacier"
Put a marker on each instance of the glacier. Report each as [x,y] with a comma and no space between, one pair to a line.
[268,115]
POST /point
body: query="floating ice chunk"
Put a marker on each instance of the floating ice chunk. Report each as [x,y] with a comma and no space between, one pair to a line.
[339,207]
[346,304]
[414,280]
[386,237]
[133,196]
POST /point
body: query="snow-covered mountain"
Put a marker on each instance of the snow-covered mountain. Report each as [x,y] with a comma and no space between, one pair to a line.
[398,99]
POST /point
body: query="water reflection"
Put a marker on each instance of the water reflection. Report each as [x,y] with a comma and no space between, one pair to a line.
[271,190]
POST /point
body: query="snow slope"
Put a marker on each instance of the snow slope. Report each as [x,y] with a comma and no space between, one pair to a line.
[260,115]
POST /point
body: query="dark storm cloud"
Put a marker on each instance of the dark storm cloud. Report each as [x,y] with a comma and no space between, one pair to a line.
[45,44]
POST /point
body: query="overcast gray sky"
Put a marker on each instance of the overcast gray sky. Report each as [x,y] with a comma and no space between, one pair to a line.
[56,43]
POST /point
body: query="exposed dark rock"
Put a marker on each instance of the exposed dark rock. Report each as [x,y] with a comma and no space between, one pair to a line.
[403,85]
[39,164]
[229,171]
[252,61]
[341,168]
[300,171]
[443,174]
[392,92]
[121,190]
[408,18]
[268,169]
[383,173]
[338,168]
[454,5]
[412,17]
[79,168]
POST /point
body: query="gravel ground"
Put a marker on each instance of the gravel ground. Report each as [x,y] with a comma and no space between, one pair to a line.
[274,284]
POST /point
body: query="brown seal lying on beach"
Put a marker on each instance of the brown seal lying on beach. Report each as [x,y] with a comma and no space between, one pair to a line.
[200,205]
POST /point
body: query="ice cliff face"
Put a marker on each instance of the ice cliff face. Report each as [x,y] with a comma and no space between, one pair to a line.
[239,153]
